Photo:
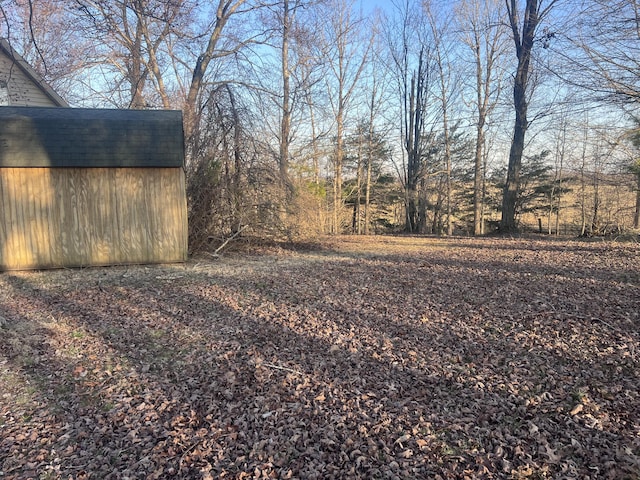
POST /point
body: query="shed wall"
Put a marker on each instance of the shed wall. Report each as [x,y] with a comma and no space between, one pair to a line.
[61,217]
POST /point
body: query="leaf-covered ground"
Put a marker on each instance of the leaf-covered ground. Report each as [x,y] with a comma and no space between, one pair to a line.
[376,358]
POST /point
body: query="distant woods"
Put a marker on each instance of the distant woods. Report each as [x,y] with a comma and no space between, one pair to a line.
[308,117]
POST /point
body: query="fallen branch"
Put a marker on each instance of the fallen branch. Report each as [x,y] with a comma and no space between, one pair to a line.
[286,369]
[224,244]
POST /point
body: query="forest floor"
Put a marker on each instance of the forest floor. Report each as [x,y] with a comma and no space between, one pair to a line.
[387,357]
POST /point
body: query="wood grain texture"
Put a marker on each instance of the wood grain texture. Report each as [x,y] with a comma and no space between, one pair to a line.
[65,217]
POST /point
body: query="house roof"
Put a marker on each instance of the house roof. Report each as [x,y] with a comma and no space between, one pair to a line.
[22,64]
[89,137]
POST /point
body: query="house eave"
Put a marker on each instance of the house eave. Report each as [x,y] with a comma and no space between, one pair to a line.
[20,62]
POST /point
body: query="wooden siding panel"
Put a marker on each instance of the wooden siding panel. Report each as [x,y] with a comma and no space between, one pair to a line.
[103,236]
[22,90]
[69,220]
[177,213]
[11,248]
[50,229]
[4,201]
[80,217]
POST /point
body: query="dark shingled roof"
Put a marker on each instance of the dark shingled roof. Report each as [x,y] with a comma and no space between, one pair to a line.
[85,138]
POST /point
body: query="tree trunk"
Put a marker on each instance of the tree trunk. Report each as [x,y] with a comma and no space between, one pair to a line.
[512,184]
[367,181]
[478,176]
[359,180]
[347,65]
[485,154]
[560,173]
[367,188]
[636,216]
[416,208]
[337,171]
[524,46]
[224,10]
[152,46]
[439,30]
[367,199]
[285,125]
[410,187]
[595,219]
[410,222]
[583,200]
[137,76]
[481,25]
[583,187]
[447,147]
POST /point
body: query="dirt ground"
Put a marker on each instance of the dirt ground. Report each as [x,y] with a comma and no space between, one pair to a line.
[388,357]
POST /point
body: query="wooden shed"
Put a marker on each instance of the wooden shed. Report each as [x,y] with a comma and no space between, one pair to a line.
[83,187]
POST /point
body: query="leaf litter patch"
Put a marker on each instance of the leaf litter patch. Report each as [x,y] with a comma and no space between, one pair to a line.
[395,357]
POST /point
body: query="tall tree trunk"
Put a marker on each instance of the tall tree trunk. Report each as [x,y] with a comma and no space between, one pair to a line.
[367,187]
[285,124]
[411,193]
[447,148]
[152,46]
[137,74]
[349,65]
[512,184]
[315,151]
[370,145]
[595,219]
[478,177]
[485,154]
[367,195]
[524,42]
[359,181]
[224,11]
[315,165]
[481,24]
[560,173]
[583,187]
[337,170]
[416,206]
[439,31]
[636,215]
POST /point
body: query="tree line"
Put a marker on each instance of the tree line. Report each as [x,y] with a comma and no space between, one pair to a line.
[307,117]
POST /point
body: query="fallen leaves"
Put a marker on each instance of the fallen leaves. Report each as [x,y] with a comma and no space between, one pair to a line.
[577,409]
[383,358]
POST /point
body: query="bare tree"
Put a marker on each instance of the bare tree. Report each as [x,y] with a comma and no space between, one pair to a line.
[607,59]
[310,96]
[348,48]
[440,25]
[560,159]
[373,146]
[299,58]
[167,49]
[225,10]
[285,123]
[635,169]
[524,24]
[410,61]
[45,34]
[414,142]
[130,36]
[481,26]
